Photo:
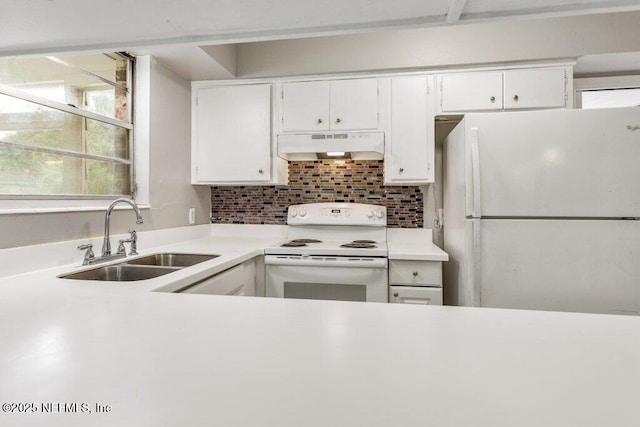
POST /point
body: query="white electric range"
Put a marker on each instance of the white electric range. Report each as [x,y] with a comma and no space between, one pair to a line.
[334,251]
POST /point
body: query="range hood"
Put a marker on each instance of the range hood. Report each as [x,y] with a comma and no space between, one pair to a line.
[329,145]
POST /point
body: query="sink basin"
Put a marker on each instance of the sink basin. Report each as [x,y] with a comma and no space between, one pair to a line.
[172,260]
[121,273]
[143,268]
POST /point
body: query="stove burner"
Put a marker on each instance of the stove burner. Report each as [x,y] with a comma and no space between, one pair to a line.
[364,241]
[357,245]
[306,241]
[293,244]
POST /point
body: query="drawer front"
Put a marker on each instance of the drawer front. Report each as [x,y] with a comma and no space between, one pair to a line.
[418,295]
[425,273]
[228,282]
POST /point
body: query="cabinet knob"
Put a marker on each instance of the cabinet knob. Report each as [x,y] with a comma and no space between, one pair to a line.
[492,99]
[515,98]
[260,171]
[401,170]
[338,120]
[319,121]
[395,294]
[415,274]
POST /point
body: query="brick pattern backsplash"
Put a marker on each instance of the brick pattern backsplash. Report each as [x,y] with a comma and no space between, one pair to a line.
[352,181]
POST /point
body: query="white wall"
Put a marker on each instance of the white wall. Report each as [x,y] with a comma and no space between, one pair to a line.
[445,46]
[163,136]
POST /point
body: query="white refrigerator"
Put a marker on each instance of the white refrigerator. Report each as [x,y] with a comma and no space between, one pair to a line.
[542,209]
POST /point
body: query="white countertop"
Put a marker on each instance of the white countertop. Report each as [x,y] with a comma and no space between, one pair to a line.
[189,360]
[413,244]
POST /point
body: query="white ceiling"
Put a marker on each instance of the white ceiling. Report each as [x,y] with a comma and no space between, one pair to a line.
[160,26]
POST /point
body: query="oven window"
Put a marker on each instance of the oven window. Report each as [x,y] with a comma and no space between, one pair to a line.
[325,291]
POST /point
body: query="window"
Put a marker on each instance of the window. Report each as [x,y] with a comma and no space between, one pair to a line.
[607,92]
[611,98]
[65,126]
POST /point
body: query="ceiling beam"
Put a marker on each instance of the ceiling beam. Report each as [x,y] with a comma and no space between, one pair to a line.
[455,11]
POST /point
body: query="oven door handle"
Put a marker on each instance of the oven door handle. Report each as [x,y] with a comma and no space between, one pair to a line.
[325,261]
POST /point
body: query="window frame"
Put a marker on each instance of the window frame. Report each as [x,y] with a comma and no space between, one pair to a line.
[54,202]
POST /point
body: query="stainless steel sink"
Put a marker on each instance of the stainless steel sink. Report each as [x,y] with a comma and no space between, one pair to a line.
[121,273]
[172,260]
[143,268]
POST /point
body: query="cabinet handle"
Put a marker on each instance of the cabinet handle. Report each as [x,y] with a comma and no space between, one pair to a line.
[401,170]
[319,121]
[492,99]
[395,294]
[338,120]
[515,98]
[260,171]
[415,274]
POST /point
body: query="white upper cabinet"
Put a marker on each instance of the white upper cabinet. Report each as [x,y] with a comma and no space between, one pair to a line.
[481,91]
[232,134]
[330,105]
[410,147]
[354,104]
[305,106]
[538,88]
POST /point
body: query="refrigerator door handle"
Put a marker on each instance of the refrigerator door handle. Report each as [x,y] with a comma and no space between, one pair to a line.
[477,255]
[475,168]
[471,287]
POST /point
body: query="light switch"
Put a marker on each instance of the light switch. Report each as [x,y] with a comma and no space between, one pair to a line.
[192,216]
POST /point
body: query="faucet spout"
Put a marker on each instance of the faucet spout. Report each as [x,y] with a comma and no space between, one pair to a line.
[106,243]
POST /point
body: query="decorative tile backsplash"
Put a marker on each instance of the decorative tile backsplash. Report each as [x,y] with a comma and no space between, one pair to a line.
[353,181]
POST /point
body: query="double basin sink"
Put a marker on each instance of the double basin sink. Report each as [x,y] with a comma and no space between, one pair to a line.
[143,268]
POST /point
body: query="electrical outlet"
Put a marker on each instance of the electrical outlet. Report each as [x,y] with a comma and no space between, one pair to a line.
[192,216]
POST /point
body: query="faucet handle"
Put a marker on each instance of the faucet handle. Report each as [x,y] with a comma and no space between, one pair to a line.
[89,256]
[121,249]
[133,237]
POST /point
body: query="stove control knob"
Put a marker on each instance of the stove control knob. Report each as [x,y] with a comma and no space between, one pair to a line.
[302,212]
[293,212]
[379,214]
[370,213]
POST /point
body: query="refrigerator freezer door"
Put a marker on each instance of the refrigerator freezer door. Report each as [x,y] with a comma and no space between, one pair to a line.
[561,163]
[560,265]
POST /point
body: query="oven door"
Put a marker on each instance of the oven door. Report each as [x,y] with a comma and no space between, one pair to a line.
[326,278]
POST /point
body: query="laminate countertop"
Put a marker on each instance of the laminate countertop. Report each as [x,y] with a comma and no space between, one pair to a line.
[99,354]
[413,244]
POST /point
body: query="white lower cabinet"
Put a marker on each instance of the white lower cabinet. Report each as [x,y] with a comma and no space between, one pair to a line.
[237,281]
[421,295]
[415,282]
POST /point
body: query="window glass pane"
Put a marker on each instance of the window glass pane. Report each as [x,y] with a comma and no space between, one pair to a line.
[33,173]
[26,123]
[47,151]
[69,85]
[611,98]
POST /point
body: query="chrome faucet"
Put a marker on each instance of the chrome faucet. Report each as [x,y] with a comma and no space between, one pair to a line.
[106,244]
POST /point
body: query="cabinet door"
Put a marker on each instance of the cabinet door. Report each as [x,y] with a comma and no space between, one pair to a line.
[305,106]
[233,134]
[249,281]
[415,295]
[480,91]
[354,104]
[411,140]
[542,88]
